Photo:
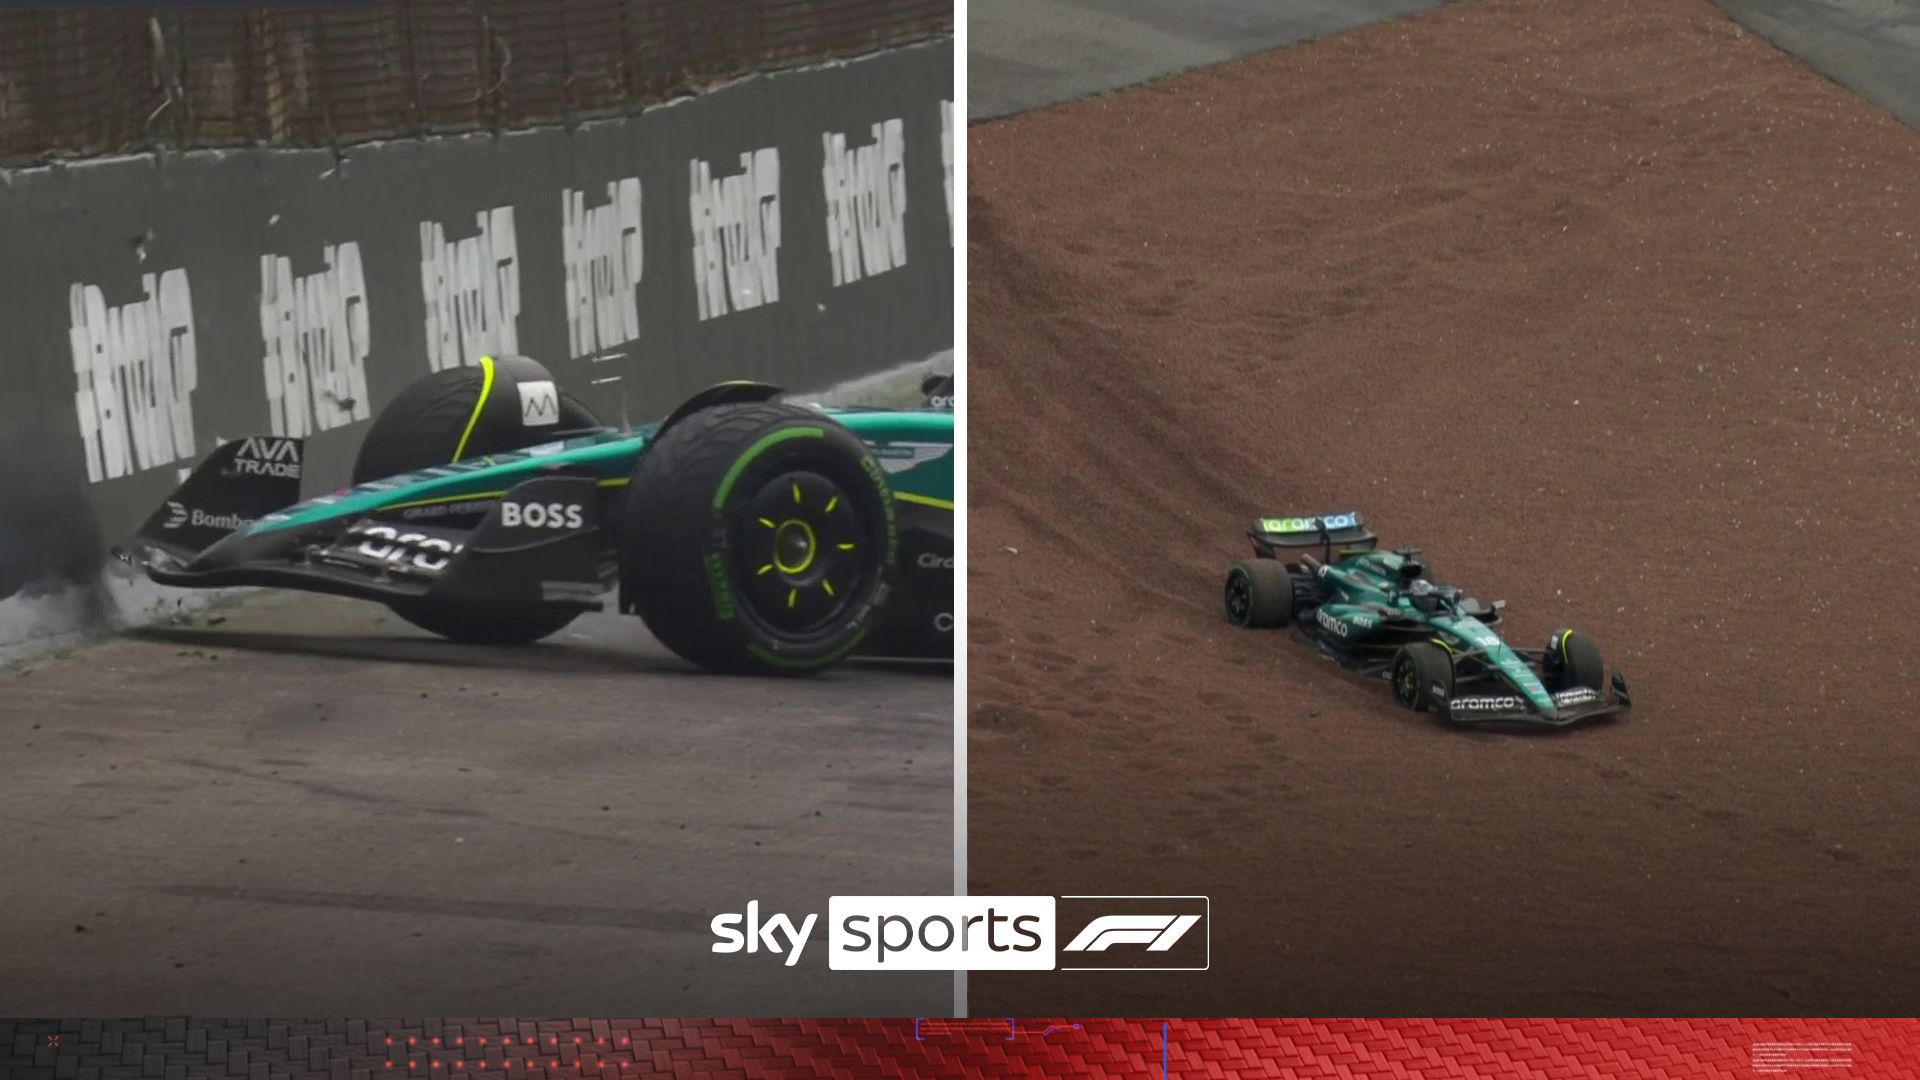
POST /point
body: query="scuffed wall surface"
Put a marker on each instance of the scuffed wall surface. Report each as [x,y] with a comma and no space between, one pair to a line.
[794,227]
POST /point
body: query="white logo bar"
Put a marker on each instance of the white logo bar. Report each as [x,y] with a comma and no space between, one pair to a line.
[940,933]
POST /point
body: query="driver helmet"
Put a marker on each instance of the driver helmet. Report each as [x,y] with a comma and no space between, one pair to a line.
[1421,587]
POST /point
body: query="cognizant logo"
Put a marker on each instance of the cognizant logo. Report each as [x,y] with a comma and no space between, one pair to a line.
[983,933]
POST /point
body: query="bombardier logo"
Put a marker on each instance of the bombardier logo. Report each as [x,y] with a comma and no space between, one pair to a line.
[263,455]
[543,515]
[539,403]
[1157,932]
[178,516]
[200,519]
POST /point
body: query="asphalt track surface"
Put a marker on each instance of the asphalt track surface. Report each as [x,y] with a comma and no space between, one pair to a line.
[1869,46]
[300,805]
[1022,54]
[1609,307]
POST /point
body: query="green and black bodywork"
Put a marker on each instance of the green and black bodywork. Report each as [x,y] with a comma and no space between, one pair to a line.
[490,506]
[1377,613]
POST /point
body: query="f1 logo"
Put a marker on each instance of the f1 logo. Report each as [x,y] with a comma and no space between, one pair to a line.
[1157,932]
[1135,933]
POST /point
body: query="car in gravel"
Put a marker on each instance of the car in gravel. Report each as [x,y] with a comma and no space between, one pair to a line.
[1441,650]
[490,506]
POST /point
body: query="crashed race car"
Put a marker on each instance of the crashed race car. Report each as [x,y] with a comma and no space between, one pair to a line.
[1378,613]
[489,506]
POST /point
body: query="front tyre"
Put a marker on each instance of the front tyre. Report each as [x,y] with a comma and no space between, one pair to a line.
[1259,594]
[758,538]
[439,420]
[1573,660]
[1423,677]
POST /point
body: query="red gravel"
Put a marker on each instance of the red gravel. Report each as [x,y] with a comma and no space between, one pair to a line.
[1612,308]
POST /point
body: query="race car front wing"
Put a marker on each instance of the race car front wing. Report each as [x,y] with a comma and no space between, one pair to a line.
[538,546]
[1575,706]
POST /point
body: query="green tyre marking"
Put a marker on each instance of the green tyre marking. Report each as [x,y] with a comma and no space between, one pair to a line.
[879,478]
[486,392]
[740,464]
[722,592]
[768,656]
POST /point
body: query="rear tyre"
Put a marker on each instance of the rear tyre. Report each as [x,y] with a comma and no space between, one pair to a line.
[1573,660]
[1423,677]
[1259,594]
[423,427]
[759,538]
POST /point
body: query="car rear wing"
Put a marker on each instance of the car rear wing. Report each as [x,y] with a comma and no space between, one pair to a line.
[1345,531]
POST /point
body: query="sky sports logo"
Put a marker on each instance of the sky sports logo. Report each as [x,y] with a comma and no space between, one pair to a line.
[983,933]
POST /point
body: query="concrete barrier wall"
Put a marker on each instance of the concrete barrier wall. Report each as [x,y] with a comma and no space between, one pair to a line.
[793,227]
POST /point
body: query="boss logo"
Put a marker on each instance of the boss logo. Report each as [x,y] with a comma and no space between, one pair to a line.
[264,456]
[543,515]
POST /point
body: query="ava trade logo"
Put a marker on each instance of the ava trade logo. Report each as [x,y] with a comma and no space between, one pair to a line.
[267,455]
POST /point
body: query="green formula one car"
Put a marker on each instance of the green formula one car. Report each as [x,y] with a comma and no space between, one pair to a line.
[489,506]
[1378,614]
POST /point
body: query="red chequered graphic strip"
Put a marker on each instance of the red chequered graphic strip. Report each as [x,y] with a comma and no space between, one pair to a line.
[472,1049]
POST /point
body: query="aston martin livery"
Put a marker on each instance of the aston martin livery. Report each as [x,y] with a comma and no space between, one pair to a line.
[490,506]
[1379,613]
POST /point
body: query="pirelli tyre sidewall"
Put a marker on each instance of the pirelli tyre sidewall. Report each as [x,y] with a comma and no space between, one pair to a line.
[759,537]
